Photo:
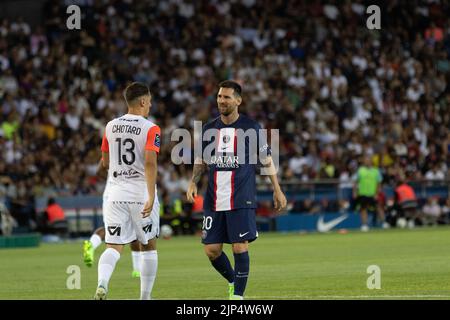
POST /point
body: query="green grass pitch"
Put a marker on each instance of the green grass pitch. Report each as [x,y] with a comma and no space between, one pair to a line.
[415,264]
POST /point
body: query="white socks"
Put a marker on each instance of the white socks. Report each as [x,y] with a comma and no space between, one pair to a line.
[106,265]
[136,258]
[95,240]
[146,262]
[149,267]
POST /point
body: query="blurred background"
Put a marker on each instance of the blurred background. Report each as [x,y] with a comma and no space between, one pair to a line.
[336,90]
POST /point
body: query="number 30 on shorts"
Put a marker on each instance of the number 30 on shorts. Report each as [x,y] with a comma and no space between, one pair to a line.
[207,222]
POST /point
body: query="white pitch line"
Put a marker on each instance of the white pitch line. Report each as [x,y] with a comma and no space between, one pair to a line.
[298,297]
[348,297]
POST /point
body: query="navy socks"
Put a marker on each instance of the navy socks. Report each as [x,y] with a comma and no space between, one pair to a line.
[241,269]
[223,266]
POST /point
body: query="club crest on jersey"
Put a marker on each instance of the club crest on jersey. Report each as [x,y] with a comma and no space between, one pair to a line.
[225,161]
[226,139]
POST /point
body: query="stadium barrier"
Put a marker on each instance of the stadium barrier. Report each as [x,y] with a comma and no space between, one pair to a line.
[318,222]
[20,241]
[84,213]
[334,190]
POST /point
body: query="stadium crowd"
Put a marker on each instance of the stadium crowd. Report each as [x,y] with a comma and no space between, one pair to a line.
[335,89]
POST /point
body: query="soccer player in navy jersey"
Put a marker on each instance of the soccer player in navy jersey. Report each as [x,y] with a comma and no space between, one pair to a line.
[230,201]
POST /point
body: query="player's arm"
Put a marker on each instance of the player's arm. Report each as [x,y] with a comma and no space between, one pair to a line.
[105,152]
[197,172]
[151,171]
[266,161]
[279,198]
[102,172]
[151,166]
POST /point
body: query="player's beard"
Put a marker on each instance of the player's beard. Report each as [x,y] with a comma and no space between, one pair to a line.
[226,111]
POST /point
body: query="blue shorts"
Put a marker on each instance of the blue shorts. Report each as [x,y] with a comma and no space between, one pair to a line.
[229,226]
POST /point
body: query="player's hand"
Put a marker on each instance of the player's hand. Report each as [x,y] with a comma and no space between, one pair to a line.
[279,199]
[147,208]
[191,192]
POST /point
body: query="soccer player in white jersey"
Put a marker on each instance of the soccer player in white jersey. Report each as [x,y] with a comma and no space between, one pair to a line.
[129,149]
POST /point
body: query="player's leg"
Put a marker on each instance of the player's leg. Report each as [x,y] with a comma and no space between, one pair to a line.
[241,225]
[241,269]
[147,231]
[364,219]
[90,245]
[149,268]
[97,237]
[411,218]
[409,207]
[219,260]
[136,259]
[364,204]
[382,216]
[106,265]
[119,231]
[213,236]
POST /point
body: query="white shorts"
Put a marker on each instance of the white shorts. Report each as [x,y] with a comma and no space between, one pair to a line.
[124,223]
[105,199]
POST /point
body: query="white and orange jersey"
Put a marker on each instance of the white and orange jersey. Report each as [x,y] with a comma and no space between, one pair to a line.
[126,139]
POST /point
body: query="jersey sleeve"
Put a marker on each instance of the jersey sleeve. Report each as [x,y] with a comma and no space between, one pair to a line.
[153,139]
[105,144]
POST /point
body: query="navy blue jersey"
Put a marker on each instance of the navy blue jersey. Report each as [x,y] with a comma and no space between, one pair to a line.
[232,153]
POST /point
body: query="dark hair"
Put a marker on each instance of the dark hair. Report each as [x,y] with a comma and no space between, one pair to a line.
[233,85]
[135,90]
[51,201]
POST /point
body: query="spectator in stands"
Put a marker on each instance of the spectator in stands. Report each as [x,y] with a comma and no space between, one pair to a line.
[306,206]
[55,219]
[435,173]
[326,205]
[406,202]
[54,212]
[4,182]
[7,222]
[434,34]
[431,211]
[22,205]
[446,210]
[381,209]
